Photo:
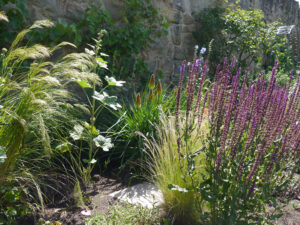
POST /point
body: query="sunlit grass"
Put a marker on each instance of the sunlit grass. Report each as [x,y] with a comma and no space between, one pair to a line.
[167,169]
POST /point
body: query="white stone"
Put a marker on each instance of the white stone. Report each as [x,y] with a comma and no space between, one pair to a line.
[145,194]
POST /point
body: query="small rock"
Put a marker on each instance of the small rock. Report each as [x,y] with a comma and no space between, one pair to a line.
[145,194]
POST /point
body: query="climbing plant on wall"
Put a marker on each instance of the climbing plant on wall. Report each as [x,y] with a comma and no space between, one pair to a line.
[125,39]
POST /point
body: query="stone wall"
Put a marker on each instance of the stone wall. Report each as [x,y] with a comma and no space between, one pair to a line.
[166,53]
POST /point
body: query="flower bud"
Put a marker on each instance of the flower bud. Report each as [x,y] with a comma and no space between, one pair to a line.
[138,101]
[159,87]
[151,96]
[152,82]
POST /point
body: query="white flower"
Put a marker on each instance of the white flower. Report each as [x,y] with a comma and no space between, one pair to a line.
[202,51]
[86,212]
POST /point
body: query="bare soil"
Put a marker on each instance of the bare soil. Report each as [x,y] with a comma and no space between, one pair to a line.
[98,200]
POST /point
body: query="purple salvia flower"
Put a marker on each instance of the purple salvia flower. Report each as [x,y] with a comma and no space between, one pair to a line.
[218,161]
[191,87]
[200,116]
[178,148]
[230,107]
[178,97]
[251,190]
[200,87]
[251,135]
[218,73]
[260,153]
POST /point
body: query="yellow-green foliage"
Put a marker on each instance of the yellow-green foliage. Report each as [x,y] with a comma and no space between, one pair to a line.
[166,168]
[29,95]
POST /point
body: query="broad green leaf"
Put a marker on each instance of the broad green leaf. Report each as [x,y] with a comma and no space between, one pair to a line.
[11,212]
[83,83]
[174,187]
[101,62]
[103,54]
[93,161]
[64,147]
[77,133]
[94,130]
[103,142]
[113,82]
[110,101]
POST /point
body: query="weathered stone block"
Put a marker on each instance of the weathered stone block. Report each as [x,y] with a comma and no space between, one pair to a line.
[179,4]
[188,19]
[179,53]
[175,31]
[189,28]
[174,17]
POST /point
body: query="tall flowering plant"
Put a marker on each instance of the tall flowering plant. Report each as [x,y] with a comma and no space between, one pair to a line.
[252,150]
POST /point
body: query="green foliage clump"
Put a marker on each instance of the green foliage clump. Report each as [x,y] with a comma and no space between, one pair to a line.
[97,100]
[11,204]
[138,120]
[18,16]
[37,114]
[166,167]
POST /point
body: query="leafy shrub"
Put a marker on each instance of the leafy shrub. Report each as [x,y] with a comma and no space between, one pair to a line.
[252,147]
[12,207]
[98,99]
[243,34]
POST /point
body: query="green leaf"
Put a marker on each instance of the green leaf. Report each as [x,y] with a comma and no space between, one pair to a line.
[103,142]
[113,82]
[101,62]
[64,147]
[94,130]
[83,83]
[110,101]
[77,133]
[11,211]
[2,155]
[174,187]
